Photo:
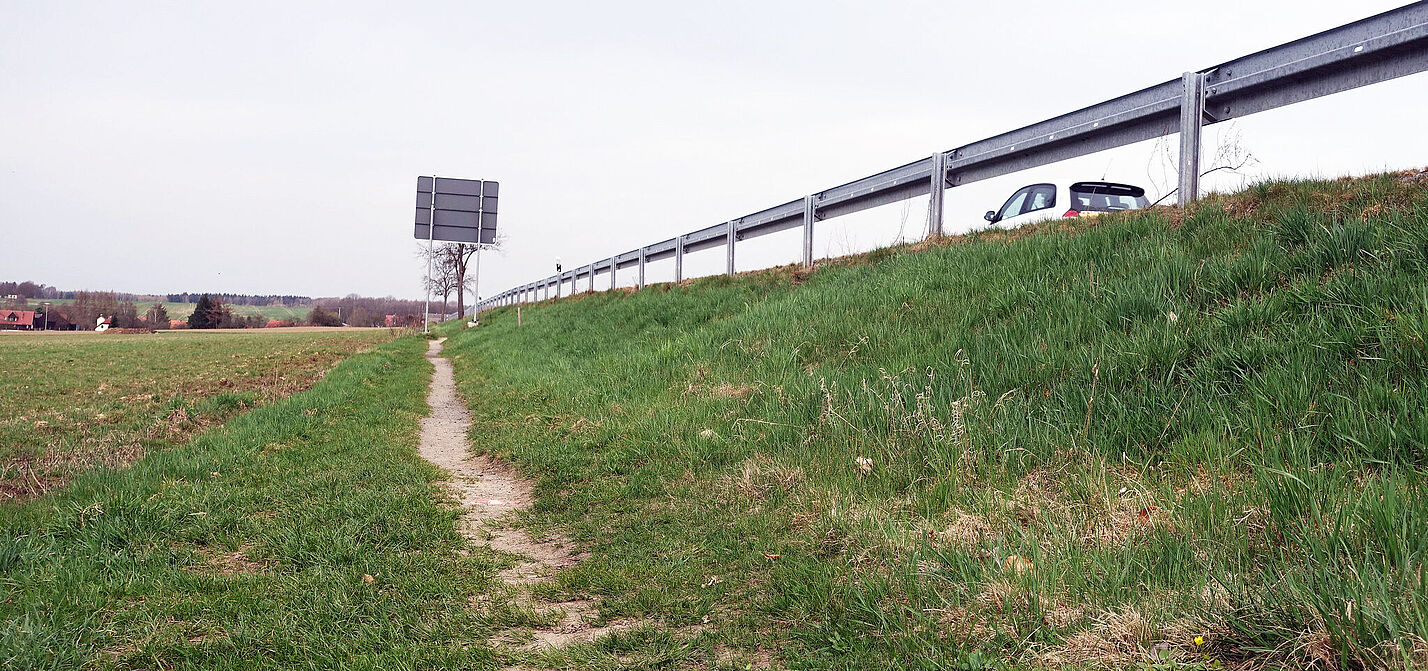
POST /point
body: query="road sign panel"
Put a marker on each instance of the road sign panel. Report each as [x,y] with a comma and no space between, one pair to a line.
[465,210]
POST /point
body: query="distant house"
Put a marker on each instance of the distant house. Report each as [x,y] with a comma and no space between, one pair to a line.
[55,320]
[17,320]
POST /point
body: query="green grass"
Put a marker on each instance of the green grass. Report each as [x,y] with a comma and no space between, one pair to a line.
[246,547]
[75,401]
[1211,426]
[1082,446]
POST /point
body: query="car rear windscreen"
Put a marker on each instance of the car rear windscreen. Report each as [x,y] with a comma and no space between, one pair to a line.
[1106,197]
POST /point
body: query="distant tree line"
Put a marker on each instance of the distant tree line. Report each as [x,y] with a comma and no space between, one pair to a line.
[88,306]
[242,299]
[357,310]
[29,289]
[34,290]
[212,313]
[210,310]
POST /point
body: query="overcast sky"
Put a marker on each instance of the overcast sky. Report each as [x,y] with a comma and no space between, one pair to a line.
[274,147]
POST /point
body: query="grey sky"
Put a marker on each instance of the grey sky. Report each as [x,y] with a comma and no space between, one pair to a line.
[273,147]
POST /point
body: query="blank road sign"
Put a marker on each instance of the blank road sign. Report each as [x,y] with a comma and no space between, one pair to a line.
[465,210]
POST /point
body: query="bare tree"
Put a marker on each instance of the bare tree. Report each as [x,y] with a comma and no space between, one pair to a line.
[458,258]
[449,263]
[442,279]
[450,266]
[1231,155]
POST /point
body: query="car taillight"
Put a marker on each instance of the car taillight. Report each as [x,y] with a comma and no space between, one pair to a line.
[1071,213]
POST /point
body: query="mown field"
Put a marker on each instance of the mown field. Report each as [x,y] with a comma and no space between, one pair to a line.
[303,534]
[183,310]
[1161,439]
[74,401]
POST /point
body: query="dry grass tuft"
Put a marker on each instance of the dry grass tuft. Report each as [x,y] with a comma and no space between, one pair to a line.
[1129,519]
[1116,638]
[729,657]
[1038,494]
[582,424]
[735,391]
[1062,616]
[962,625]
[967,530]
[228,563]
[759,477]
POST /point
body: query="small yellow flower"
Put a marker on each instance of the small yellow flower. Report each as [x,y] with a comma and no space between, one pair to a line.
[1199,640]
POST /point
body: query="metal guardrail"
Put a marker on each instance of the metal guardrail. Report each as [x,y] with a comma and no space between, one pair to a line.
[1376,49]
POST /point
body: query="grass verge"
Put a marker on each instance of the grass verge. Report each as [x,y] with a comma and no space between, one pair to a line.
[1187,441]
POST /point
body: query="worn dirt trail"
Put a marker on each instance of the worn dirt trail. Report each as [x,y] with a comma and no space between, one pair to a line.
[490,490]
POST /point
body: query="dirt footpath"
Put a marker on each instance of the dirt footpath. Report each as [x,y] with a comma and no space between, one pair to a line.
[489,490]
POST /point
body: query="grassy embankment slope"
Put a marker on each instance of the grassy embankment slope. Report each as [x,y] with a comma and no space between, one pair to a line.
[1084,445]
[303,534]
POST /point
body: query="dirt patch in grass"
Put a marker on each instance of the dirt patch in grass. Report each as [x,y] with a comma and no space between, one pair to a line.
[228,563]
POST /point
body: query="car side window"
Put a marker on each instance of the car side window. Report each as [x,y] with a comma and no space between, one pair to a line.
[1042,196]
[1014,204]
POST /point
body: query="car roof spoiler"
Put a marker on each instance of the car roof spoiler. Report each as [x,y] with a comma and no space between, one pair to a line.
[1109,188]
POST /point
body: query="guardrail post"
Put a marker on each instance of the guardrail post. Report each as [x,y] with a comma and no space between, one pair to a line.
[1192,117]
[809,213]
[640,283]
[939,190]
[613,268]
[678,259]
[729,245]
[592,278]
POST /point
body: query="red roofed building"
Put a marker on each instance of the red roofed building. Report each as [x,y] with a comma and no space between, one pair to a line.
[21,320]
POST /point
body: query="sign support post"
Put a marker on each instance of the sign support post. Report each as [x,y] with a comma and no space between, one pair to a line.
[465,209]
[430,257]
